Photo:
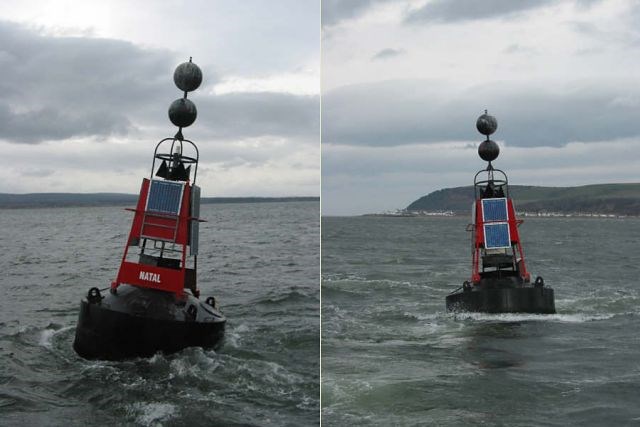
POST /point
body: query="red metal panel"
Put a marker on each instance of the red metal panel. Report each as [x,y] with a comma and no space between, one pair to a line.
[478,227]
[162,227]
[513,223]
[159,227]
[136,226]
[148,276]
[478,242]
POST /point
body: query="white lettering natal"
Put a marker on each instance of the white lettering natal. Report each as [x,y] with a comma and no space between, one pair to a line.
[149,277]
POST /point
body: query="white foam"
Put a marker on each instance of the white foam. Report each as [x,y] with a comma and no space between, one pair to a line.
[233,337]
[157,358]
[153,413]
[338,277]
[387,282]
[514,317]
[307,403]
[47,335]
[242,328]
[431,316]
[182,368]
[276,373]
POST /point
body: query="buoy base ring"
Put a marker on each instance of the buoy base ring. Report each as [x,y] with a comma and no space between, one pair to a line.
[525,299]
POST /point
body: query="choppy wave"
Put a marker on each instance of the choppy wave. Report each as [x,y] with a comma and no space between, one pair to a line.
[47,335]
[266,372]
[152,413]
[393,355]
[513,317]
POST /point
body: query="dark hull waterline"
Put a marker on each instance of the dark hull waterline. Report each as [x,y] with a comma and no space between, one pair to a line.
[138,322]
[524,299]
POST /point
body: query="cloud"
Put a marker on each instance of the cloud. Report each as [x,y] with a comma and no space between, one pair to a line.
[465,10]
[358,180]
[516,48]
[395,130]
[56,88]
[37,173]
[388,53]
[60,87]
[394,113]
[604,36]
[49,123]
[243,115]
[336,11]
[253,166]
[471,10]
[85,94]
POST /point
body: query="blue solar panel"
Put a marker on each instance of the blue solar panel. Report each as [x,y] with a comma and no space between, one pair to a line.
[165,197]
[497,236]
[494,209]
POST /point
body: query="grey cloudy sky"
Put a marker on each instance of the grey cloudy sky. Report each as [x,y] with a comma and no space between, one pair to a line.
[403,82]
[86,86]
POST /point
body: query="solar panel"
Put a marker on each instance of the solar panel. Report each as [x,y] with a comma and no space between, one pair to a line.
[497,236]
[494,209]
[165,197]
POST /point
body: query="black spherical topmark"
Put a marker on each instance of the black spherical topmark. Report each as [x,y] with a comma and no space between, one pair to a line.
[486,124]
[187,76]
[488,150]
[182,112]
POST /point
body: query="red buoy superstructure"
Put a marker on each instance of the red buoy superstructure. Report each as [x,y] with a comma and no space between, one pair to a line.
[496,240]
[500,281]
[165,227]
[153,304]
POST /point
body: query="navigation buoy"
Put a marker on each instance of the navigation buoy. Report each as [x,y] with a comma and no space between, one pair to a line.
[153,304]
[500,282]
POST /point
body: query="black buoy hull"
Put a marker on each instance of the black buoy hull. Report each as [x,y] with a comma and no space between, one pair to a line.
[536,300]
[144,323]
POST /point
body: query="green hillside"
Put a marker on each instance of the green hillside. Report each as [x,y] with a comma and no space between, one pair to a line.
[618,199]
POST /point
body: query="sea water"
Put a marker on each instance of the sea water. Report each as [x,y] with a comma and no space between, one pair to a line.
[260,261]
[392,355]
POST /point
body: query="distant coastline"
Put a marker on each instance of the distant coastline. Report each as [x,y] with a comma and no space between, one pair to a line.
[587,201]
[599,200]
[54,200]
